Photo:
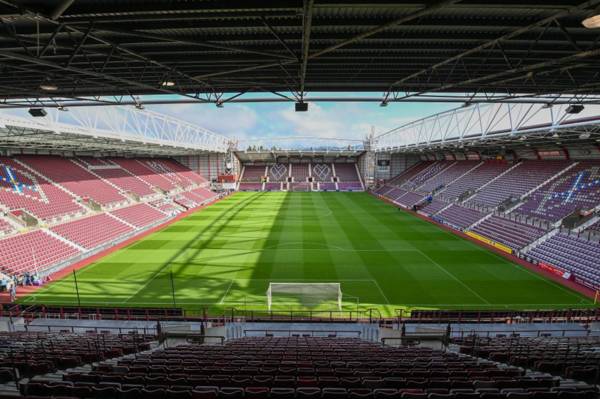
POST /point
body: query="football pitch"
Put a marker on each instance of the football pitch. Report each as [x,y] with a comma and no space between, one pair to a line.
[225,256]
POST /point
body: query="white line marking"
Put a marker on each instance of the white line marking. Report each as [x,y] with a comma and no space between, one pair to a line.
[381,291]
[143,287]
[452,276]
[226,292]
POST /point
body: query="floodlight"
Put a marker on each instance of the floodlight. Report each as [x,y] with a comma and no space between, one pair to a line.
[37,112]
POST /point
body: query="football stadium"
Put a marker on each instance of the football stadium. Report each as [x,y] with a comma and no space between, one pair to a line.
[205,199]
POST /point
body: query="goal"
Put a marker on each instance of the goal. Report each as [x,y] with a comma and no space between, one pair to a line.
[304,294]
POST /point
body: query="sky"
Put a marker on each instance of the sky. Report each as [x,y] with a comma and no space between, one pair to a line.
[277,124]
[336,120]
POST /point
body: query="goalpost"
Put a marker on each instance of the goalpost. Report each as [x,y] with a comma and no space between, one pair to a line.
[306,294]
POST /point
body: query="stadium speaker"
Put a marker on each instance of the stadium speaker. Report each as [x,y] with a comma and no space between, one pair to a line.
[301,107]
[37,112]
[574,109]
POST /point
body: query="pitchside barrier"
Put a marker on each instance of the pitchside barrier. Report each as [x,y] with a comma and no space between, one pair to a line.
[493,243]
[41,311]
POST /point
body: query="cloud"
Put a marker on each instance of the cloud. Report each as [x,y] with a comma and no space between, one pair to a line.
[233,120]
[269,121]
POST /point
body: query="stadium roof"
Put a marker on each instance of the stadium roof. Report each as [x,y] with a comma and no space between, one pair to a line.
[107,131]
[484,126]
[220,51]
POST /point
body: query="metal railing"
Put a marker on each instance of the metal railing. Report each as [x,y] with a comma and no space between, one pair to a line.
[73,328]
[302,333]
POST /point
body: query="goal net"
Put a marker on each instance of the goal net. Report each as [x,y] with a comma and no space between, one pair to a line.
[304,294]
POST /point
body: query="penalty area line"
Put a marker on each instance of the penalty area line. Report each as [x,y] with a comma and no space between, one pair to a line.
[381,291]
[226,293]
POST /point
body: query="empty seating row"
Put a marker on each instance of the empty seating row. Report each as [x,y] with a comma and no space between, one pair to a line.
[475,179]
[73,177]
[252,173]
[448,175]
[578,188]
[518,181]
[410,172]
[346,172]
[572,357]
[572,254]
[93,231]
[459,216]
[33,353]
[22,189]
[418,179]
[33,251]
[139,215]
[300,171]
[119,177]
[306,367]
[514,234]
[143,171]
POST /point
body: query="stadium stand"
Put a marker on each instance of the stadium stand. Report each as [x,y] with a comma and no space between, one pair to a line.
[300,171]
[93,231]
[273,186]
[145,173]
[395,193]
[203,194]
[34,353]
[434,207]
[139,215]
[66,173]
[411,173]
[278,172]
[32,252]
[305,367]
[572,254]
[253,173]
[427,173]
[348,179]
[322,172]
[517,182]
[184,200]
[119,177]
[346,172]
[475,179]
[410,198]
[250,186]
[514,234]
[177,171]
[569,357]
[166,206]
[578,188]
[300,174]
[459,216]
[50,192]
[24,190]
[250,180]
[447,175]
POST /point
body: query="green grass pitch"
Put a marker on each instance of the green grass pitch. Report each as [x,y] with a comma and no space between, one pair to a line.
[225,255]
